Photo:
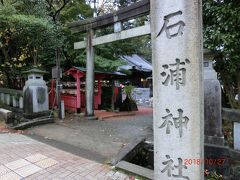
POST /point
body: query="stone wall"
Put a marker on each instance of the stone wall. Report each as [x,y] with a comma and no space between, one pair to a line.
[11,97]
[141,95]
[232,115]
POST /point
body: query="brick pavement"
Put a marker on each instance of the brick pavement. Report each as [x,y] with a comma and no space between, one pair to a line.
[24,158]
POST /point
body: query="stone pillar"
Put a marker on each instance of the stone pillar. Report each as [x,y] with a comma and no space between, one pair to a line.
[2,98]
[176,29]
[14,101]
[7,99]
[212,106]
[90,76]
[236,138]
[21,102]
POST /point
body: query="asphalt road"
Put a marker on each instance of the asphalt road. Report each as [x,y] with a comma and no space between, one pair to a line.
[94,139]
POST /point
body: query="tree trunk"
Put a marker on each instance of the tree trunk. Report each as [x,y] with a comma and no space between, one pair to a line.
[6,55]
[6,59]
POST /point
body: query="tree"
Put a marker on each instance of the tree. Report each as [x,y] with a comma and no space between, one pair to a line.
[25,40]
[112,52]
[61,13]
[221,35]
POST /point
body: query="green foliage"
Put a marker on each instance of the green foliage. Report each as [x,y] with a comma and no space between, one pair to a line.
[7,9]
[140,46]
[212,175]
[67,10]
[25,40]
[31,30]
[221,34]
[228,132]
[33,34]
[62,12]
[124,3]
[101,63]
[128,90]
[33,7]
[75,10]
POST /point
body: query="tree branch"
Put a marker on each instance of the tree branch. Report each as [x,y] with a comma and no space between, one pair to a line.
[50,6]
[65,2]
[14,2]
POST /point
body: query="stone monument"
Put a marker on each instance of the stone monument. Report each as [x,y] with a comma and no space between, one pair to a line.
[176,30]
[35,94]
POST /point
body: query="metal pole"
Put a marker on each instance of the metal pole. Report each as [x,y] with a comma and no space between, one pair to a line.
[58,84]
[112,102]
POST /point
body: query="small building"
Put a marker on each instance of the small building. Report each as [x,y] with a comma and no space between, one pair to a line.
[140,70]
[73,92]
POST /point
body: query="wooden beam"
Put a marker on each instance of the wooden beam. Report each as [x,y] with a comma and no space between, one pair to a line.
[126,34]
[136,10]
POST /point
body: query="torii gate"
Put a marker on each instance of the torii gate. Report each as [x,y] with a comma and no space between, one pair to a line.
[176,32]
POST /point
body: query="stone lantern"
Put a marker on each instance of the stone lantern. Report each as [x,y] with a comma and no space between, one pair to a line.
[215,146]
[212,102]
[35,94]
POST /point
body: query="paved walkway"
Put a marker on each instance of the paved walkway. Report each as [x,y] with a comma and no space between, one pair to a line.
[24,158]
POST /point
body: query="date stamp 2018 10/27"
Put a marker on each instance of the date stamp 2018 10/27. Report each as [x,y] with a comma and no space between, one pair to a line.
[218,161]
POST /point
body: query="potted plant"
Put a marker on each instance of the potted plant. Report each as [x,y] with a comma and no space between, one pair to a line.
[129,103]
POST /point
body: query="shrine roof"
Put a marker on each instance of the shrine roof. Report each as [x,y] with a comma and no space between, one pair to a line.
[99,71]
[136,62]
[34,71]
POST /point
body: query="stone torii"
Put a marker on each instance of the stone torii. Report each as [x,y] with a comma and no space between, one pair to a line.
[176,33]
[89,25]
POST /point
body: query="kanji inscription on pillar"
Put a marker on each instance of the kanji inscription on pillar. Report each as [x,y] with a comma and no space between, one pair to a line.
[166,27]
[175,74]
[179,122]
[173,170]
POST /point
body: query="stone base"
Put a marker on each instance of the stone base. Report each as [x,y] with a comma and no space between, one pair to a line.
[79,114]
[6,115]
[235,171]
[216,152]
[135,169]
[91,118]
[235,164]
[13,109]
[30,123]
[36,115]
[214,140]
